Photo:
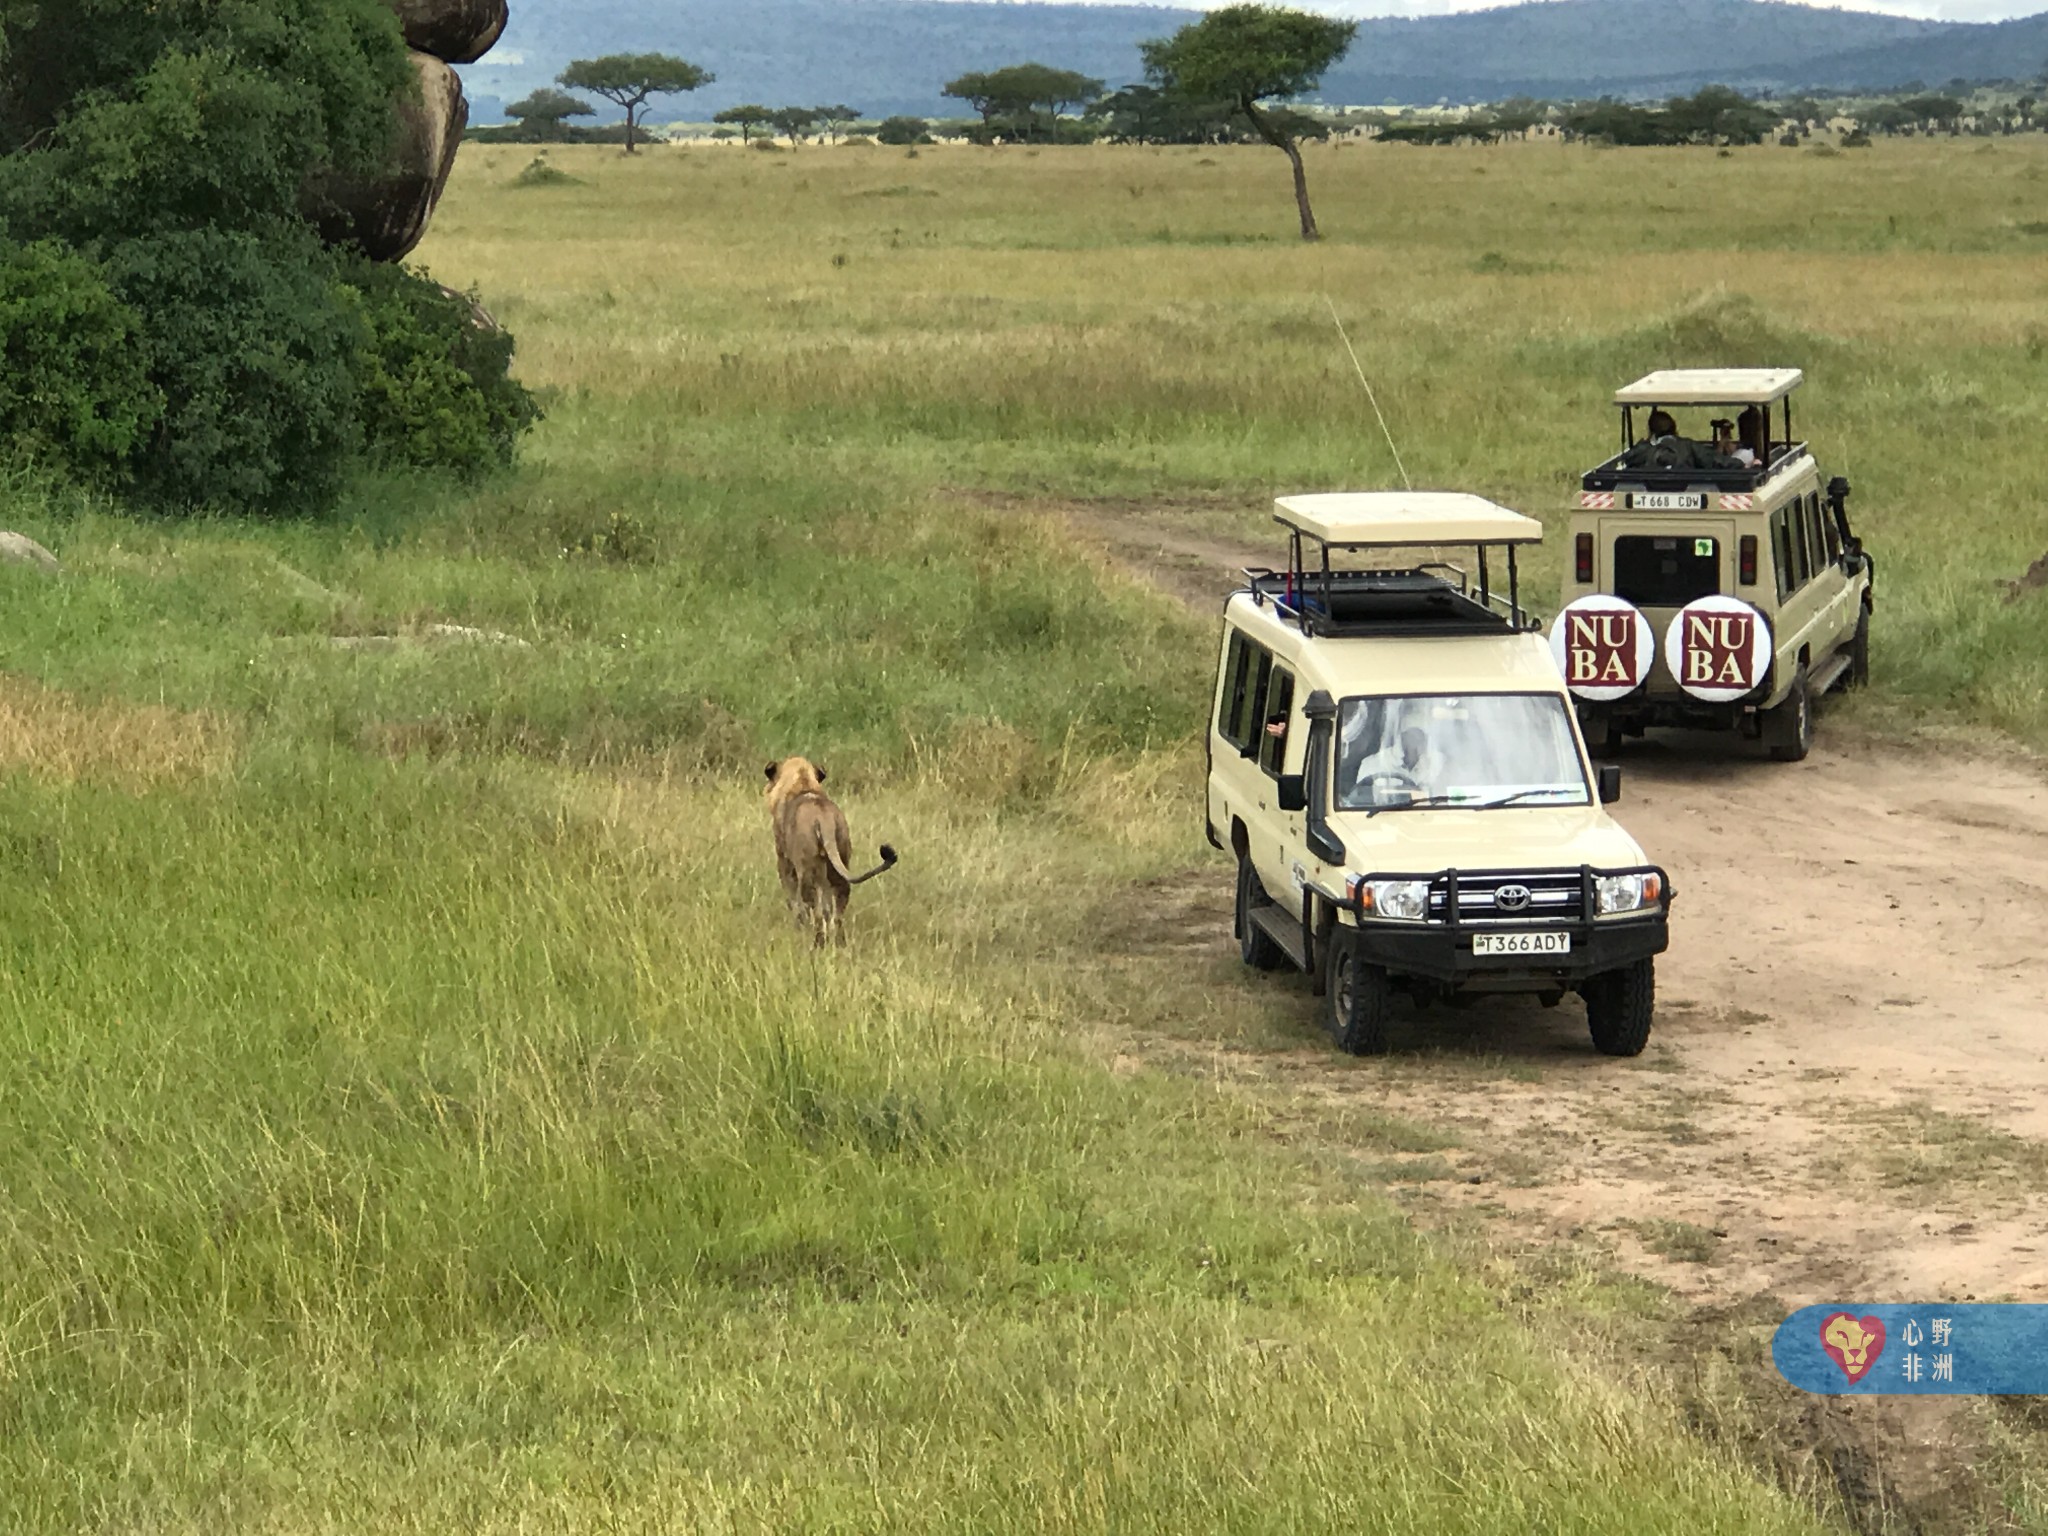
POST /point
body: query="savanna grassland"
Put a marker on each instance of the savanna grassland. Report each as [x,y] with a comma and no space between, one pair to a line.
[420,1116]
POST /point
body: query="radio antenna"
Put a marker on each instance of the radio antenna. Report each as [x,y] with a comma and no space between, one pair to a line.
[1360,367]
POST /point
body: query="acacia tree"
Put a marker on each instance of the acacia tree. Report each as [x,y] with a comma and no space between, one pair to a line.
[545,111]
[628,79]
[836,118]
[1015,94]
[1249,54]
[797,122]
[747,119]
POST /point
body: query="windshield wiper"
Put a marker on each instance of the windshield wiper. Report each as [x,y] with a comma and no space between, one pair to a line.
[1418,805]
[1466,800]
[1521,794]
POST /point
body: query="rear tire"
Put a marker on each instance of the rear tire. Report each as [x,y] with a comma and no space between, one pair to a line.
[1619,1007]
[1359,999]
[1253,947]
[1791,724]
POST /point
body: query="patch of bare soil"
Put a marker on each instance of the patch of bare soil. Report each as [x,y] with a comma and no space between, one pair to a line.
[1846,1094]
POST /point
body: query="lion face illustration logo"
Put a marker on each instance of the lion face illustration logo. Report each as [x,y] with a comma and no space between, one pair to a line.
[1853,1343]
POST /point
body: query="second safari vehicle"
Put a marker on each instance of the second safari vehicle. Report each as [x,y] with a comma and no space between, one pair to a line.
[1395,763]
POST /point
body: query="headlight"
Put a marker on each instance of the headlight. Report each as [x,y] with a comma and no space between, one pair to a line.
[1398,898]
[1628,893]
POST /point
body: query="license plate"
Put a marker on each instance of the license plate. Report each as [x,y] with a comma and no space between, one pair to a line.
[1667,501]
[1521,943]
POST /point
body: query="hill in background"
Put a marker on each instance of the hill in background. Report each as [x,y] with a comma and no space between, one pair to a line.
[887,56]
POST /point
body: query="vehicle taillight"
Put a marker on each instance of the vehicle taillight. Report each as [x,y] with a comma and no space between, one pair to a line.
[1584,546]
[1748,560]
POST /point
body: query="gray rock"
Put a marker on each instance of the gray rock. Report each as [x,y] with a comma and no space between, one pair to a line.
[19,549]
[454,31]
[387,217]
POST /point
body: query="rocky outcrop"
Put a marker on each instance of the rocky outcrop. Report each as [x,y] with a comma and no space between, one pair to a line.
[20,549]
[453,31]
[386,218]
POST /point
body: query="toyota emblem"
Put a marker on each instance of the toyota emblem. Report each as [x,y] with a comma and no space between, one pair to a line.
[1513,898]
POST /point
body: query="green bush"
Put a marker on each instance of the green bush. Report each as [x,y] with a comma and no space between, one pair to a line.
[436,388]
[72,382]
[904,130]
[254,345]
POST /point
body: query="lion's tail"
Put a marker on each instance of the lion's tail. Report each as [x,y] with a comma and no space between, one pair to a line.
[839,865]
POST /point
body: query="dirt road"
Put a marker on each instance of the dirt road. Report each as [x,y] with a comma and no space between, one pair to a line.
[1846,1097]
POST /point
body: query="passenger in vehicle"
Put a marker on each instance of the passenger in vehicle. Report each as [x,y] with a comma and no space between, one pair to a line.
[1728,446]
[1665,449]
[1753,433]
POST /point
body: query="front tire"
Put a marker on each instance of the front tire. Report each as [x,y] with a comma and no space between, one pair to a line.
[1253,947]
[1792,722]
[1359,999]
[1619,1006]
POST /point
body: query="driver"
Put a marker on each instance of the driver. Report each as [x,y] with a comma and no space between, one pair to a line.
[1407,758]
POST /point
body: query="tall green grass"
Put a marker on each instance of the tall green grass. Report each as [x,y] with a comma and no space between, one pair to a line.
[411,1146]
[420,1114]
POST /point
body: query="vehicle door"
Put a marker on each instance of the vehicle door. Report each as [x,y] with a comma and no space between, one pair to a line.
[1661,563]
[1276,834]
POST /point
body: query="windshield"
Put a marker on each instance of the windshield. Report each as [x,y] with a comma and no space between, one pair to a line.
[1472,750]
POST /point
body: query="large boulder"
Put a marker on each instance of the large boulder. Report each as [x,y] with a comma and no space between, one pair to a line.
[387,217]
[20,549]
[454,31]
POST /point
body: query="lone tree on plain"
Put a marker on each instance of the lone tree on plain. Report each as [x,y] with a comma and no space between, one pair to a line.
[545,111]
[1248,54]
[628,79]
[747,119]
[836,119]
[797,122]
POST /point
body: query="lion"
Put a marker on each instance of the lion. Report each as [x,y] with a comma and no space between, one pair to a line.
[812,845]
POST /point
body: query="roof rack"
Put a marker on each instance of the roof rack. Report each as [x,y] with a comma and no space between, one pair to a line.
[1428,598]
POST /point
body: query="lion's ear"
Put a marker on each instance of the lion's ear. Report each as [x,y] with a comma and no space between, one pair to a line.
[771,771]
[821,775]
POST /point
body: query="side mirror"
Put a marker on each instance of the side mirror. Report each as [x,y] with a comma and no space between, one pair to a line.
[1293,792]
[1610,783]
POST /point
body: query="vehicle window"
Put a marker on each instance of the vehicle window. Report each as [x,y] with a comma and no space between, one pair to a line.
[1473,750]
[1279,709]
[1781,552]
[1237,670]
[1666,570]
[1245,728]
[1795,535]
[1816,545]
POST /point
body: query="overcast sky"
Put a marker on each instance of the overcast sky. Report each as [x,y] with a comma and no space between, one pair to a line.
[1934,10]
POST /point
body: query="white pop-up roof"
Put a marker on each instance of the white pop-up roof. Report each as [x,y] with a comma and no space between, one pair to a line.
[1405,517]
[1711,386]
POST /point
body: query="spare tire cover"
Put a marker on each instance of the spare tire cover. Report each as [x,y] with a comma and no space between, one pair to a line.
[1604,647]
[1718,649]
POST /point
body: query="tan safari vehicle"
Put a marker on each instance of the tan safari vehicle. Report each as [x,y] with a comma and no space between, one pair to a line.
[1394,761]
[1714,582]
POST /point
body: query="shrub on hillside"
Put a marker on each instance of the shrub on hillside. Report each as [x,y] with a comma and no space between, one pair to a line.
[73,386]
[904,130]
[254,345]
[436,390]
